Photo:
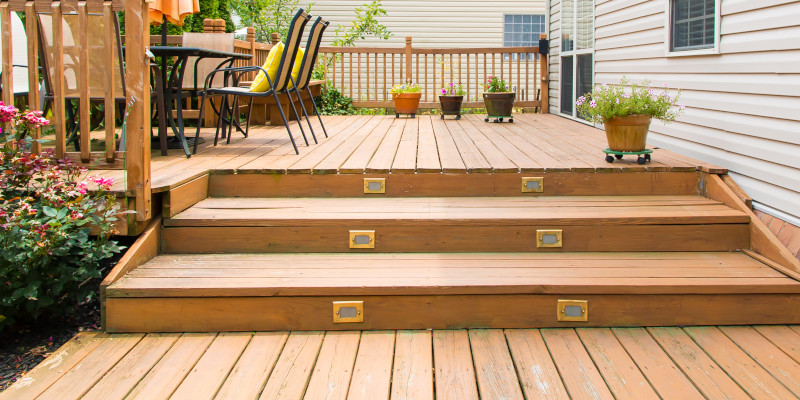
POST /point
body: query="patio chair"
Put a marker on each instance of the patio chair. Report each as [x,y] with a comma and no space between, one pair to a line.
[232,78]
[197,70]
[306,68]
[19,58]
[97,55]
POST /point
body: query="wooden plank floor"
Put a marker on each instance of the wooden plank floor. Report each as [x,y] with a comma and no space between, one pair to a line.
[384,144]
[713,362]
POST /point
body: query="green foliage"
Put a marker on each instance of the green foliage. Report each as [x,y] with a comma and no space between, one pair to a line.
[409,87]
[496,85]
[453,89]
[267,16]
[608,101]
[47,254]
[365,23]
[332,102]
[192,22]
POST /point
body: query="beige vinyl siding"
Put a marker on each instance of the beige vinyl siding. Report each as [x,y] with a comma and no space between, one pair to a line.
[742,105]
[440,23]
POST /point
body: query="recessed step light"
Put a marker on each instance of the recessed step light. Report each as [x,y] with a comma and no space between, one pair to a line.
[362,239]
[374,185]
[348,312]
[573,310]
[549,238]
[531,184]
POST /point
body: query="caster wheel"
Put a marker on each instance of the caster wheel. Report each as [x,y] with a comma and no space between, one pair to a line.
[486,120]
[396,115]
[442,116]
[501,120]
[609,159]
[511,120]
[619,156]
[647,157]
[641,160]
[413,115]
[458,117]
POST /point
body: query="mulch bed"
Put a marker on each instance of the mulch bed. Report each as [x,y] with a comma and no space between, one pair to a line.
[24,347]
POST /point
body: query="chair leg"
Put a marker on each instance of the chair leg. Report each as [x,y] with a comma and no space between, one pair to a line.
[314,104]
[249,113]
[199,124]
[296,115]
[285,122]
[305,113]
[220,125]
[234,117]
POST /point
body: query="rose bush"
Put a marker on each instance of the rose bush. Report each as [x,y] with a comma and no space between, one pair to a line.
[47,254]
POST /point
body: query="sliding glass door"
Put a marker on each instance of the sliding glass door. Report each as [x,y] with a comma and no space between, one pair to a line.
[577,48]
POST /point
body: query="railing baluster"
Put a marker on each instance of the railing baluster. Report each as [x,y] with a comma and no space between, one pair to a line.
[83,81]
[110,96]
[384,77]
[376,77]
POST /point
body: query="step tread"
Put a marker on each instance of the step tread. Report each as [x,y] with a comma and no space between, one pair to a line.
[573,210]
[323,274]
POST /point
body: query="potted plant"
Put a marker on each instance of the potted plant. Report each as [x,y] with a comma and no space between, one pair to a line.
[626,114]
[499,100]
[406,99]
[451,97]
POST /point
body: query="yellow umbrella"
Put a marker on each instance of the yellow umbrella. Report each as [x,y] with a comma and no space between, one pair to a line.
[172,10]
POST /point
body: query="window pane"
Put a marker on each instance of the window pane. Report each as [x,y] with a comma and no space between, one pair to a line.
[584,75]
[566,85]
[692,24]
[567,25]
[585,24]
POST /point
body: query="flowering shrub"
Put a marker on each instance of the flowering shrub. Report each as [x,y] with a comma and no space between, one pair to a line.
[453,90]
[495,84]
[608,101]
[408,87]
[47,254]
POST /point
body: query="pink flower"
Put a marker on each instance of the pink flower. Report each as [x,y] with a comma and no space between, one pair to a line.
[8,113]
[593,104]
[444,91]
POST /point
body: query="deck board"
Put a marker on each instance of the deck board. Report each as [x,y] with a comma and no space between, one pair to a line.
[562,363]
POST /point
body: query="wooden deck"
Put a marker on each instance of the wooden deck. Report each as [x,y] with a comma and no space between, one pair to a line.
[758,362]
[384,144]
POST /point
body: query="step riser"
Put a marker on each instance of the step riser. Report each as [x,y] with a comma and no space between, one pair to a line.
[719,237]
[453,185]
[444,312]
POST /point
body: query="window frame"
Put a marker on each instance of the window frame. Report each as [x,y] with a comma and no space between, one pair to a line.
[668,24]
[535,35]
[574,53]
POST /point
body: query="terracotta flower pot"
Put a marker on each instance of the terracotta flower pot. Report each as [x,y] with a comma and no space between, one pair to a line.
[499,104]
[451,105]
[628,133]
[406,103]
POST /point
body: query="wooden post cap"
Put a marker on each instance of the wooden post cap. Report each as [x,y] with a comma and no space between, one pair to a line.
[275,37]
[208,25]
[542,36]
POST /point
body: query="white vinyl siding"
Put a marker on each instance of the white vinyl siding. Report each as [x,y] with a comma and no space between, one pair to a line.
[742,105]
[439,23]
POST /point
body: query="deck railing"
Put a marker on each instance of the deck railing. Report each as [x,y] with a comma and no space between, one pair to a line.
[71,55]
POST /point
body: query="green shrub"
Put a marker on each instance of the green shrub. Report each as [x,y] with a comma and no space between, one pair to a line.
[332,102]
[48,255]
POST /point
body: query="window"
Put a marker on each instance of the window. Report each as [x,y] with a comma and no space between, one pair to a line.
[522,30]
[692,24]
[577,41]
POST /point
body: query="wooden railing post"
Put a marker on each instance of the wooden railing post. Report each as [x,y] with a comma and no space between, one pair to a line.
[33,67]
[274,38]
[137,77]
[544,97]
[408,59]
[7,57]
[251,37]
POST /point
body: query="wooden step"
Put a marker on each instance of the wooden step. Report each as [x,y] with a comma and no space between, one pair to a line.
[250,183]
[445,290]
[587,223]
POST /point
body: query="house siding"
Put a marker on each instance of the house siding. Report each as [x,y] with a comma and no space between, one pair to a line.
[432,24]
[742,105]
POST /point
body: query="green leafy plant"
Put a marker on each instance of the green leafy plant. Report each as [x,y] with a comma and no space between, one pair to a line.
[365,23]
[608,101]
[266,16]
[408,87]
[496,85]
[332,102]
[453,89]
[46,214]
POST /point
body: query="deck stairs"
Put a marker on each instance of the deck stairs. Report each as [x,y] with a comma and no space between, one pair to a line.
[474,254]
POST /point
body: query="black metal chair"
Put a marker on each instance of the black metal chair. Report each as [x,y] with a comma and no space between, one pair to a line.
[231,88]
[307,68]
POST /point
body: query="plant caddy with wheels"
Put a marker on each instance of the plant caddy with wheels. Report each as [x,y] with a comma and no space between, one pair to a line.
[626,115]
[499,100]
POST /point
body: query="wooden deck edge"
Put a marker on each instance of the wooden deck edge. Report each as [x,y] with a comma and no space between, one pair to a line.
[743,196]
[184,196]
[762,240]
[213,314]
[144,249]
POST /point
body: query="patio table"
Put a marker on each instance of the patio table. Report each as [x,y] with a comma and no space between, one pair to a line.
[173,86]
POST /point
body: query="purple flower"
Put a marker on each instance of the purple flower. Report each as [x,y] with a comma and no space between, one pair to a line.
[444,91]
[593,104]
